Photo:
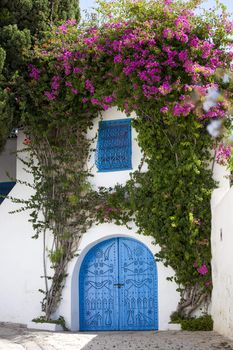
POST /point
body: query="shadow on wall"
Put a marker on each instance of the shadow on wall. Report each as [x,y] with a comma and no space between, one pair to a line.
[8,168]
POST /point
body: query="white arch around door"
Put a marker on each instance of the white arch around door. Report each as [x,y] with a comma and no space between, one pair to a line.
[168,297]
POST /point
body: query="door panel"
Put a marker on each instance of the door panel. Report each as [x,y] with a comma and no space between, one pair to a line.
[138,296]
[118,287]
[98,296]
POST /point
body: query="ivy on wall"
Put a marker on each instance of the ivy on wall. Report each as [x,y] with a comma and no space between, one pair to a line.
[160,60]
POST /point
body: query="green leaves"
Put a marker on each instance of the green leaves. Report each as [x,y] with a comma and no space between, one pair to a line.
[2,58]
[172,203]
[21,22]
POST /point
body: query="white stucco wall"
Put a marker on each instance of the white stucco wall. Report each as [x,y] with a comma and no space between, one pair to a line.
[21,257]
[222,254]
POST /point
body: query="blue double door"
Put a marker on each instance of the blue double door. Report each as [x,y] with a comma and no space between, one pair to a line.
[118,287]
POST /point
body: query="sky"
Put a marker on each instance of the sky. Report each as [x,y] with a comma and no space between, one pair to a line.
[228,3]
[87,4]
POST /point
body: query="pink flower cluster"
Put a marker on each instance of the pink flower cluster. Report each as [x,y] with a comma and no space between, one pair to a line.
[55,84]
[182,109]
[202,270]
[34,72]
[218,111]
[89,86]
[50,95]
[145,59]
[64,27]
[223,153]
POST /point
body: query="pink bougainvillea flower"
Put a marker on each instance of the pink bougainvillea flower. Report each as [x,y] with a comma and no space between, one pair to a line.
[77,70]
[228,26]
[167,2]
[164,109]
[95,101]
[50,95]
[182,109]
[168,33]
[90,41]
[67,69]
[105,107]
[71,22]
[68,84]
[218,111]
[55,84]
[206,48]
[63,28]
[117,59]
[66,54]
[182,23]
[165,88]
[107,99]
[89,86]
[203,270]
[223,153]
[181,36]
[33,72]
[183,55]
[75,91]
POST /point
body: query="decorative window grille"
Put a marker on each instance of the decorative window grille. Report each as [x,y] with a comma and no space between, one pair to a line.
[114,146]
[5,188]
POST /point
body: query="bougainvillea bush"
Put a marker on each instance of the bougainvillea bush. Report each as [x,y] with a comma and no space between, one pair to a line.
[156,58]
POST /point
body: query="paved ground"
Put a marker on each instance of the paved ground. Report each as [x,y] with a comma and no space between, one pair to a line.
[13,337]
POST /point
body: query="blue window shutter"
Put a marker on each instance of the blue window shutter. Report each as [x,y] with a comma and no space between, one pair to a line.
[114,146]
[5,188]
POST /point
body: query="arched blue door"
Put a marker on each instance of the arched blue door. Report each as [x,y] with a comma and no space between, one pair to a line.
[118,287]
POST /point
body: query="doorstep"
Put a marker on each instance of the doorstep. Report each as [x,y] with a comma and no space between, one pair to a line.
[174,326]
[52,327]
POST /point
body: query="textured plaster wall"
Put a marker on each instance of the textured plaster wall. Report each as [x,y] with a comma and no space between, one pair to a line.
[222,254]
[20,257]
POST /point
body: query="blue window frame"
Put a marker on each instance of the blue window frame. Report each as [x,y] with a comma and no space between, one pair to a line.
[5,188]
[114,146]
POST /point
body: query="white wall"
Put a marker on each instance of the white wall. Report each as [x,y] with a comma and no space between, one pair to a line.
[222,265]
[21,257]
[222,254]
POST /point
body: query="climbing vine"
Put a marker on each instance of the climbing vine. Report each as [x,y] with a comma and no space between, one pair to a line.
[160,60]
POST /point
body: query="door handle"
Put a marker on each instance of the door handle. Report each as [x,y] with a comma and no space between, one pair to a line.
[119,285]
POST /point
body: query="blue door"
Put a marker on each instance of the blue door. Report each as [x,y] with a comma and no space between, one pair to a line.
[118,287]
